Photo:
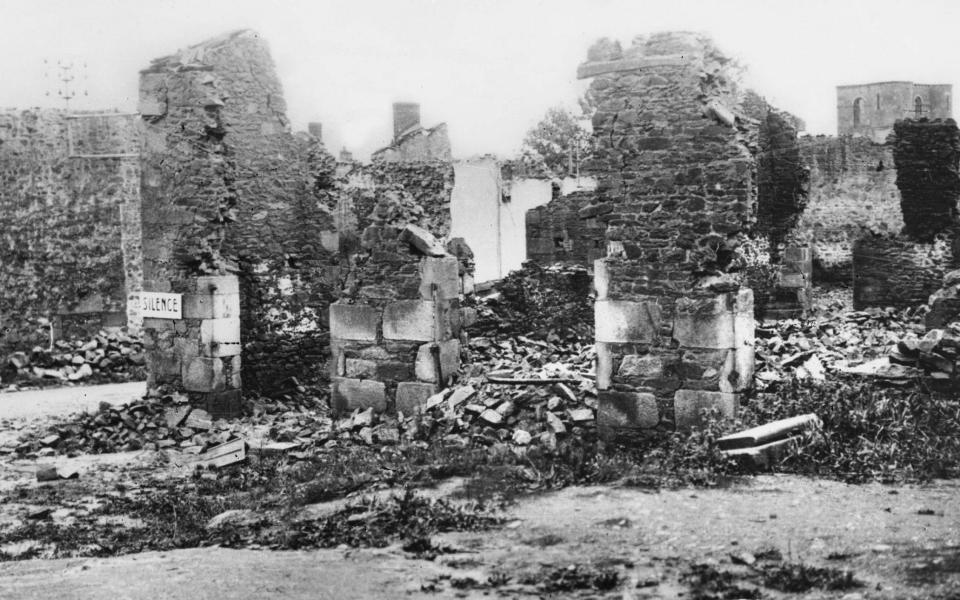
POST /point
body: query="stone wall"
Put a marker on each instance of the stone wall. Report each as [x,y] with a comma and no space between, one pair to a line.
[676,175]
[227,188]
[905,269]
[68,247]
[853,194]
[566,230]
[899,271]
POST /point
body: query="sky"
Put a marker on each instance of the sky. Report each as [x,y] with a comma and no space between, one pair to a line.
[488,68]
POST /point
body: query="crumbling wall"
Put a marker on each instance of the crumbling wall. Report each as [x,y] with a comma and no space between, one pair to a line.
[904,269]
[926,155]
[853,194]
[227,188]
[418,192]
[68,250]
[566,230]
[782,178]
[395,332]
[677,182]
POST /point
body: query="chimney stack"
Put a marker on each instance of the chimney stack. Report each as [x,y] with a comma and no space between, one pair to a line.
[316,130]
[405,116]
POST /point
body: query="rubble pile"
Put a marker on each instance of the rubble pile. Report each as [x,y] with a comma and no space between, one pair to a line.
[111,356]
[833,340]
[539,300]
[515,393]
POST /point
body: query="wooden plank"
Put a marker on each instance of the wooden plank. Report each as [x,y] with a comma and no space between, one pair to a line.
[769,432]
[224,454]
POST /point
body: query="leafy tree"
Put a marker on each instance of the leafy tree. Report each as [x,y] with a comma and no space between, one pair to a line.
[560,143]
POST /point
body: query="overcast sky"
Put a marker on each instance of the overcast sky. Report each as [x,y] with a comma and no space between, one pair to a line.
[490,69]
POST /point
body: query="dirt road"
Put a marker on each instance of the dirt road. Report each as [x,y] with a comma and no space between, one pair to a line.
[899,542]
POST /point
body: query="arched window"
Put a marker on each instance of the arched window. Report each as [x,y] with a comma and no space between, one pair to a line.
[918,107]
[878,101]
[857,110]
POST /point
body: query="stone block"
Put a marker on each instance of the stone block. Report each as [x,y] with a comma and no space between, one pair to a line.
[604,366]
[413,320]
[444,272]
[211,306]
[413,395]
[235,381]
[617,410]
[218,284]
[422,240]
[744,349]
[647,366]
[359,368]
[708,369]
[467,285]
[220,331]
[705,322]
[449,360]
[688,406]
[349,394]
[354,322]
[601,278]
[204,374]
[793,280]
[621,321]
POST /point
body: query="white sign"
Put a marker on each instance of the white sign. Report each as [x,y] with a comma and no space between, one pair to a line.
[161,306]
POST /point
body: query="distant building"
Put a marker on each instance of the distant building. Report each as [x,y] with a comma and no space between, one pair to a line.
[870,109]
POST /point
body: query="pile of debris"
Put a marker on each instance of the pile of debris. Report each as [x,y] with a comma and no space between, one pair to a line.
[514,393]
[111,356]
[833,340]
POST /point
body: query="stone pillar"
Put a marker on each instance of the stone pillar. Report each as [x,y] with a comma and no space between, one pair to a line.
[395,337]
[792,296]
[199,354]
[676,171]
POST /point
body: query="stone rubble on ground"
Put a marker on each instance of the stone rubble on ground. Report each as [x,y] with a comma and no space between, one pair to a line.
[111,356]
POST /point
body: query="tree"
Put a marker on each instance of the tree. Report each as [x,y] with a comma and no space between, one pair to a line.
[560,143]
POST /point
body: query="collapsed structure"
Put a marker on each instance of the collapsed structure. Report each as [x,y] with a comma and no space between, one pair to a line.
[700,208]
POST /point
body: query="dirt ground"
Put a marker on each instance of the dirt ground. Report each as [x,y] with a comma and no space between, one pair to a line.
[898,541]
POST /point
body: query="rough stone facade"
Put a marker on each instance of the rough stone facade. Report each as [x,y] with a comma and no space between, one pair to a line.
[227,188]
[926,155]
[566,230]
[676,174]
[418,193]
[905,269]
[69,249]
[870,110]
[898,271]
[853,193]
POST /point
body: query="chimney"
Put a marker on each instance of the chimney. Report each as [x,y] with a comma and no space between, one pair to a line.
[405,116]
[316,130]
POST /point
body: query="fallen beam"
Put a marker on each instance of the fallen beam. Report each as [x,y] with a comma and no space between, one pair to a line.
[777,430]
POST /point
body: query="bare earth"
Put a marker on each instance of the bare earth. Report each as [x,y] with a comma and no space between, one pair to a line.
[885,535]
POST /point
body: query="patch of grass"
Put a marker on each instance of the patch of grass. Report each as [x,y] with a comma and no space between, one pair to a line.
[870,432]
[796,578]
[410,518]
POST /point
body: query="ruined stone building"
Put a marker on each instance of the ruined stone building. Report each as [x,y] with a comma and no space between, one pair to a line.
[295,267]
[870,109]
